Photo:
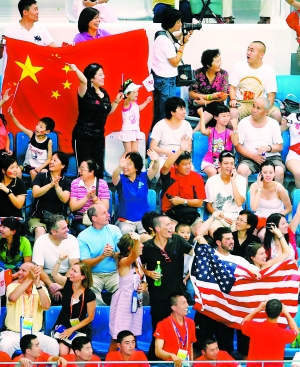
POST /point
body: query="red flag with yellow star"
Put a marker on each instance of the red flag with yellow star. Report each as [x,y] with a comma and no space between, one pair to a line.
[44,85]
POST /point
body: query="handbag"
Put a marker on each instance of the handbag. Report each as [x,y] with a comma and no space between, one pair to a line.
[289,106]
[85,218]
[183,214]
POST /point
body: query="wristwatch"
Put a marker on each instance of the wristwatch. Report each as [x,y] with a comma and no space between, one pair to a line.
[185,202]
[9,192]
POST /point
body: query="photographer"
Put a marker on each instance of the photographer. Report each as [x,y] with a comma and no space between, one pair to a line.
[167,54]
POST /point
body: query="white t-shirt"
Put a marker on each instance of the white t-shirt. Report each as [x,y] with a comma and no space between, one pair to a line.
[169,138]
[45,253]
[252,83]
[163,49]
[38,34]
[252,137]
[221,195]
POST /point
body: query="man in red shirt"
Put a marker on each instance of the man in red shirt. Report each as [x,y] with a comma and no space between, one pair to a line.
[126,344]
[267,339]
[175,335]
[211,352]
[32,352]
[83,352]
[4,357]
[182,189]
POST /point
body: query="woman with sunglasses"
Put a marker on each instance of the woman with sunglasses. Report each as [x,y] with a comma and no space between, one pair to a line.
[14,246]
[126,311]
[85,191]
[272,244]
[256,253]
[268,196]
[94,106]
[12,188]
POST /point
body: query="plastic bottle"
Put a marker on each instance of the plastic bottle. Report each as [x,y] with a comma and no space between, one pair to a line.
[157,269]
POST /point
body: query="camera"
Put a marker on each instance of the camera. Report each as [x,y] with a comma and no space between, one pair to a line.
[186,27]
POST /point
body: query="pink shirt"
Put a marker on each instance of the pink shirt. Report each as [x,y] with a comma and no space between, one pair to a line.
[79,190]
[216,144]
[3,136]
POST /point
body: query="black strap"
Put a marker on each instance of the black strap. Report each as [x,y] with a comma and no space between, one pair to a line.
[171,38]
[97,186]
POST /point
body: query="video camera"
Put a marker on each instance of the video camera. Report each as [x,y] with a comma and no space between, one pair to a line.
[186,27]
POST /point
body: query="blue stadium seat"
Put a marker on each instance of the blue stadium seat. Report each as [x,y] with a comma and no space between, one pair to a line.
[287,84]
[295,202]
[151,201]
[28,205]
[22,141]
[110,209]
[11,141]
[72,171]
[199,149]
[100,330]
[50,317]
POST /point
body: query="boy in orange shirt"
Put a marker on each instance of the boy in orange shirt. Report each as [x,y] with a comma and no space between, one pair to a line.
[83,352]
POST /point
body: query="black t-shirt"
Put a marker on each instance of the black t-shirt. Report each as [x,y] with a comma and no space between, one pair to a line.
[64,315]
[7,208]
[49,201]
[171,280]
[240,250]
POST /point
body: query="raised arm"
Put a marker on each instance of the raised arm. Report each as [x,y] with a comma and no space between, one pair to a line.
[143,105]
[255,192]
[60,279]
[284,197]
[185,145]
[125,262]
[203,129]
[116,102]
[152,171]
[17,123]
[285,247]
[5,97]
[296,220]
[82,79]
[117,172]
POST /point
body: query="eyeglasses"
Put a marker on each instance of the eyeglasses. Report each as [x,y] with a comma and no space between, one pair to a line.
[82,169]
[166,256]
[241,220]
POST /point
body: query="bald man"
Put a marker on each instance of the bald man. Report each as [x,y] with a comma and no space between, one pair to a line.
[98,248]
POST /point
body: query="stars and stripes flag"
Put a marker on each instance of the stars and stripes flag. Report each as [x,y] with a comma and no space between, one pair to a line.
[228,292]
[42,83]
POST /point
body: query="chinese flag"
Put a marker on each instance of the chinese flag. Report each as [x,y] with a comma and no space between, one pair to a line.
[43,85]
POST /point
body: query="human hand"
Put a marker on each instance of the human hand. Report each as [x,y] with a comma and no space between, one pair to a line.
[255,272]
[142,287]
[135,236]
[259,180]
[62,361]
[149,99]
[233,103]
[57,296]
[273,229]
[185,143]
[9,152]
[176,200]
[119,97]
[63,256]
[65,334]
[234,123]
[177,360]
[184,281]
[258,158]
[10,111]
[25,362]
[154,275]
[217,96]
[186,38]
[6,96]
[262,306]
[200,112]
[152,155]
[55,181]
[263,149]
[233,174]
[38,169]
[54,287]
[73,67]
[123,161]
[217,214]
[108,251]
[228,220]
[4,188]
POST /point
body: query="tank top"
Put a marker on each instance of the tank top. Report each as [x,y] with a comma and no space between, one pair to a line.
[37,152]
[217,142]
[268,207]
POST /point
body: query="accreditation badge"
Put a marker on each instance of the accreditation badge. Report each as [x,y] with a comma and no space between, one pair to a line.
[26,325]
[74,322]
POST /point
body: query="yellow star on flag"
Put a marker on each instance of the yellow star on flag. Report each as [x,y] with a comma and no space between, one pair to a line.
[28,69]
[55,94]
[66,68]
[67,85]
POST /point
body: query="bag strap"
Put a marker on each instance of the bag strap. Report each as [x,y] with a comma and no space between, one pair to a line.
[171,38]
[97,186]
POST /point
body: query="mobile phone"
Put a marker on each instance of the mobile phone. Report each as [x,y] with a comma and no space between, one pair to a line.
[169,196]
[270,225]
[262,177]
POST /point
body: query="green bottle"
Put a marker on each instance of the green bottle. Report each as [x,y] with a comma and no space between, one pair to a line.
[157,282]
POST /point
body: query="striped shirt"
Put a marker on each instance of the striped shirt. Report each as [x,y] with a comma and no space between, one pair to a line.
[79,191]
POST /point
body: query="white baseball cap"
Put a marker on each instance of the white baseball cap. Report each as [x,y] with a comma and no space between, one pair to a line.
[131,88]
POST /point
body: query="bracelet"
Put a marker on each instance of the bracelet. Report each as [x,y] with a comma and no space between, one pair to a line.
[209,97]
[113,254]
[179,52]
[38,288]
[9,192]
[115,101]
[233,99]
[59,262]
[204,103]
[281,237]
[270,148]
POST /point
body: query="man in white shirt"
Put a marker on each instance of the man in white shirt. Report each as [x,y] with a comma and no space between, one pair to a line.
[27,29]
[48,247]
[226,192]
[252,79]
[259,139]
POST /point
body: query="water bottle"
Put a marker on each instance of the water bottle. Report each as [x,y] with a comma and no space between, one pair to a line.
[70,217]
[157,282]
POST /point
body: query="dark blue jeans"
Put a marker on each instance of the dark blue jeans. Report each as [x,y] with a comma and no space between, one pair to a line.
[184,7]
[164,88]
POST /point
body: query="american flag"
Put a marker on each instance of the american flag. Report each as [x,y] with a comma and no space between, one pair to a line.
[227,292]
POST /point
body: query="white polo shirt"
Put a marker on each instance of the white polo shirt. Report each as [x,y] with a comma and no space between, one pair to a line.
[38,34]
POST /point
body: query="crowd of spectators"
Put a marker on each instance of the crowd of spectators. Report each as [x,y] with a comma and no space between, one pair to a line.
[146,253]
